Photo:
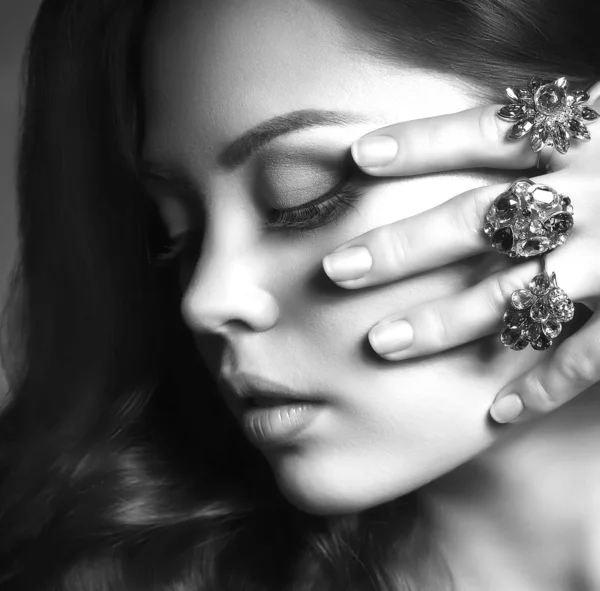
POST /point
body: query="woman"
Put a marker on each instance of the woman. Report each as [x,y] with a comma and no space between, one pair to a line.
[130,459]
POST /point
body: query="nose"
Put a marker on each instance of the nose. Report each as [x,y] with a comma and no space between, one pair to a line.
[225,291]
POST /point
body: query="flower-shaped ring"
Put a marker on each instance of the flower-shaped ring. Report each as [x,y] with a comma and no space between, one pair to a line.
[549,112]
[536,314]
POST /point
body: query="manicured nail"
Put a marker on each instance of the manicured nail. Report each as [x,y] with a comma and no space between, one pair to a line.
[374,150]
[351,263]
[392,337]
[507,409]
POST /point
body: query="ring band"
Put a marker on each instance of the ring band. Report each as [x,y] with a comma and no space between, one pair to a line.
[529,219]
[550,113]
[536,315]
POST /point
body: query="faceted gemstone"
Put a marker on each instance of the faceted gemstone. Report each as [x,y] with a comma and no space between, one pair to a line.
[569,209]
[565,200]
[518,94]
[560,223]
[488,229]
[503,239]
[550,99]
[578,130]
[561,138]
[540,311]
[507,205]
[536,227]
[540,284]
[534,84]
[580,96]
[520,188]
[531,331]
[545,197]
[552,328]
[561,239]
[533,246]
[557,295]
[519,344]
[522,299]
[510,336]
[518,130]
[541,343]
[539,136]
[561,82]
[515,318]
[526,213]
[512,112]
[589,114]
[563,310]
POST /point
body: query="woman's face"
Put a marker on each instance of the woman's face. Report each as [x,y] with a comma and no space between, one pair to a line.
[214,71]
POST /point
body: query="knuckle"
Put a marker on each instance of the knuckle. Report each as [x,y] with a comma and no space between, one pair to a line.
[491,128]
[546,399]
[580,367]
[439,329]
[470,214]
[500,288]
[396,248]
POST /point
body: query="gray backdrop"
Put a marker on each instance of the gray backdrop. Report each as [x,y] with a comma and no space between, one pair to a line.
[16,17]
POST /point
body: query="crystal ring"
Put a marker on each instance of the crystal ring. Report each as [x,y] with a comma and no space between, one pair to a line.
[528,219]
[536,315]
[549,112]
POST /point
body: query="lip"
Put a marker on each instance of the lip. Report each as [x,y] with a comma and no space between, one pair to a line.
[245,387]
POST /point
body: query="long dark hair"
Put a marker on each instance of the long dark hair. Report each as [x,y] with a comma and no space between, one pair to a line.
[120,467]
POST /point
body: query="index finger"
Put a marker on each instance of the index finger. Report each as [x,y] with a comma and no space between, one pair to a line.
[474,138]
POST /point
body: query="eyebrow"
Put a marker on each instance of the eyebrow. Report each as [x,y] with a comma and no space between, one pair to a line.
[240,149]
[236,153]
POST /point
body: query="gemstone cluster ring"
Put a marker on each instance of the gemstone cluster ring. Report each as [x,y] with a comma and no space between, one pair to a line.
[536,315]
[529,219]
[550,113]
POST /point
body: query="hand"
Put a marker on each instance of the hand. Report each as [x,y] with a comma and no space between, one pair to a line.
[453,230]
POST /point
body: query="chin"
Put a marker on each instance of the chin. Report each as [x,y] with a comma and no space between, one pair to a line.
[336,488]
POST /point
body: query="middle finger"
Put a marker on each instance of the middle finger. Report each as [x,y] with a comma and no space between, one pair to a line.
[438,236]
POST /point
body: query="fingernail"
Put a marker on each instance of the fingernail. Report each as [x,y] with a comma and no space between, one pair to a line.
[374,150]
[351,263]
[507,409]
[392,337]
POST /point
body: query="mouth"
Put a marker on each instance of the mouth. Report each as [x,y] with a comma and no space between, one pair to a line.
[258,392]
[263,401]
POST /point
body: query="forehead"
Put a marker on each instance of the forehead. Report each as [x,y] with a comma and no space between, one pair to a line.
[214,69]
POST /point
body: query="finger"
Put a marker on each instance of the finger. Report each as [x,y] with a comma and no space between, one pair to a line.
[473,313]
[435,237]
[473,138]
[574,367]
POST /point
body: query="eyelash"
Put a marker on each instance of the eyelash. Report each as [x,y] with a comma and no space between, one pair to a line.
[325,210]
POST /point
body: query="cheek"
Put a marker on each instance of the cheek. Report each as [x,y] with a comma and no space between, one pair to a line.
[392,426]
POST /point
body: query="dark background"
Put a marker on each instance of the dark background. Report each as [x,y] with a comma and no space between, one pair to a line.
[16,17]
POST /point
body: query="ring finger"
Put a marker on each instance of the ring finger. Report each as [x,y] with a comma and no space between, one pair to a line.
[444,323]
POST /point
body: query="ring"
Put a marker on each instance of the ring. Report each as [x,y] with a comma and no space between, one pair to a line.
[549,112]
[529,219]
[536,315]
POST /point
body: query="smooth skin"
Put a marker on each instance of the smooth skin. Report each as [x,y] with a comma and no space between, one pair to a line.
[258,300]
[453,230]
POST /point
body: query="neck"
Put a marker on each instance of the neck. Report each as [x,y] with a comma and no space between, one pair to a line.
[524,514]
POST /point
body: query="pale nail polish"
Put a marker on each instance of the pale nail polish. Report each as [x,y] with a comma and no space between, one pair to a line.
[507,409]
[389,338]
[351,263]
[374,150]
